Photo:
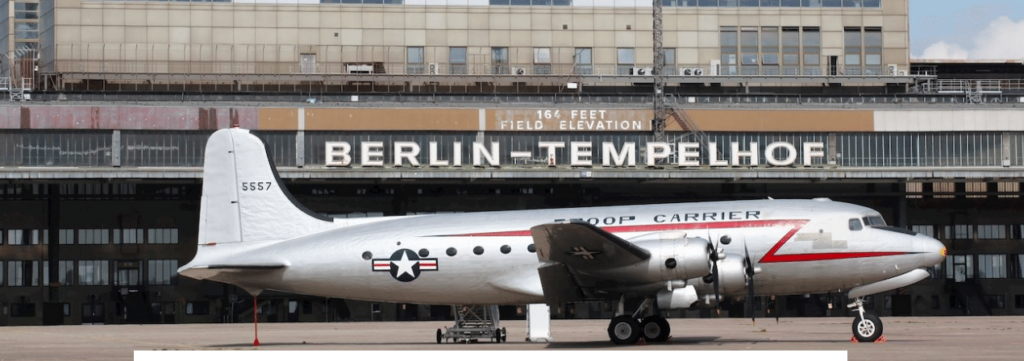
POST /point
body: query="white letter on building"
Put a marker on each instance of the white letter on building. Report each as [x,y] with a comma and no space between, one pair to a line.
[407,150]
[480,152]
[578,150]
[657,150]
[551,147]
[338,154]
[813,150]
[713,156]
[689,154]
[434,162]
[373,154]
[769,154]
[627,154]
[752,154]
[457,154]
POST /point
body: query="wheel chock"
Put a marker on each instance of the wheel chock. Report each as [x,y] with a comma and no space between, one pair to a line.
[641,342]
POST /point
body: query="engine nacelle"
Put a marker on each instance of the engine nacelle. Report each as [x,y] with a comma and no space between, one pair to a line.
[681,258]
[679,298]
[732,278]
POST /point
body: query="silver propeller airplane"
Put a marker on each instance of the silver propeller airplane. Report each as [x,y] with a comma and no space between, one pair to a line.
[254,235]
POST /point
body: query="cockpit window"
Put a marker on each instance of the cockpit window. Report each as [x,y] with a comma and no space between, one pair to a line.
[872,221]
[855,224]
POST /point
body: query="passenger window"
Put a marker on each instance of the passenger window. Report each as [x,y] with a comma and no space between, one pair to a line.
[855,225]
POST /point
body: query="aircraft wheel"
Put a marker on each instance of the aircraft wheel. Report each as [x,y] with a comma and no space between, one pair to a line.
[624,330]
[440,335]
[497,336]
[504,335]
[655,328]
[867,329]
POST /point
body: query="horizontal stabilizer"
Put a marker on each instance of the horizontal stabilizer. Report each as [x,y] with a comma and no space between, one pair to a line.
[583,245]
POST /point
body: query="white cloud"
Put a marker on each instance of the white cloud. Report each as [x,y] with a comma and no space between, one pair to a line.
[999,41]
[946,51]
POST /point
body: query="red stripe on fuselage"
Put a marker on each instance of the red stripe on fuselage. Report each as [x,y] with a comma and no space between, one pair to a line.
[770,257]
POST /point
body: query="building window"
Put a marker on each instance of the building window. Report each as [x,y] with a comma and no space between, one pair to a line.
[26,10]
[25,237]
[128,236]
[163,236]
[457,60]
[542,61]
[93,273]
[791,51]
[928,230]
[873,52]
[749,51]
[66,236]
[499,60]
[1,273]
[669,64]
[991,266]
[22,273]
[583,61]
[991,231]
[996,301]
[66,275]
[812,51]
[1018,301]
[162,272]
[414,60]
[770,51]
[729,40]
[1020,266]
[960,232]
[26,30]
[93,236]
[854,50]
[1009,189]
[960,267]
[625,60]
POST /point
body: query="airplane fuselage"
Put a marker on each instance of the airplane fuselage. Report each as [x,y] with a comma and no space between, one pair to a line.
[800,246]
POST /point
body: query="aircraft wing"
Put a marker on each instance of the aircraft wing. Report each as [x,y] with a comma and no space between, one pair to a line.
[574,254]
[582,245]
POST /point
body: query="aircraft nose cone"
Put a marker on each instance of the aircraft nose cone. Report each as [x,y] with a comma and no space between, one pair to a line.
[933,250]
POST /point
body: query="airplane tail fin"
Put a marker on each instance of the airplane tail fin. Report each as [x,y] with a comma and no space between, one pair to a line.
[243,198]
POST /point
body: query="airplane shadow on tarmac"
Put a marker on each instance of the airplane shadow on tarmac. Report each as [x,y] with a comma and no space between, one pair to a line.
[680,341]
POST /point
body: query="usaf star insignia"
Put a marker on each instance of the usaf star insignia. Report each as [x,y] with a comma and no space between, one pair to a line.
[405,265]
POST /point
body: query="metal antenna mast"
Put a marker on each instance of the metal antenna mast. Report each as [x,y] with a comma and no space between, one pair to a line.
[660,112]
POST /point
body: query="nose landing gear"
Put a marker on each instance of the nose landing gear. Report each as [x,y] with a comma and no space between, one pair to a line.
[866,326]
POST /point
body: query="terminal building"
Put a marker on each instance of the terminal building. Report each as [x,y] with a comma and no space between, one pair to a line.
[513,104]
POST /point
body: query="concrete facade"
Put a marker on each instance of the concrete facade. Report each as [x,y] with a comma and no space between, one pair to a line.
[261,38]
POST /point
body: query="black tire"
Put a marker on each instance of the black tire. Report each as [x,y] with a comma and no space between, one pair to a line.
[655,329]
[504,335]
[624,330]
[440,335]
[867,330]
[497,336]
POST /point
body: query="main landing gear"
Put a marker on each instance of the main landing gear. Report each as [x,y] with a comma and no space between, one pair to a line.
[627,329]
[866,326]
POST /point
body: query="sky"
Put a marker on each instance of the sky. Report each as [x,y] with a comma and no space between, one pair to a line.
[967,29]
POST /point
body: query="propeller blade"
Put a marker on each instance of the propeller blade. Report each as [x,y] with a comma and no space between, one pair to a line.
[750,281]
[718,298]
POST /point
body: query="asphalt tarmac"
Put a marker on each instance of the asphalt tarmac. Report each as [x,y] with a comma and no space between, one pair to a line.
[908,338]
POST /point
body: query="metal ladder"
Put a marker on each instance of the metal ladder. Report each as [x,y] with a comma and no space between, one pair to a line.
[473,322]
